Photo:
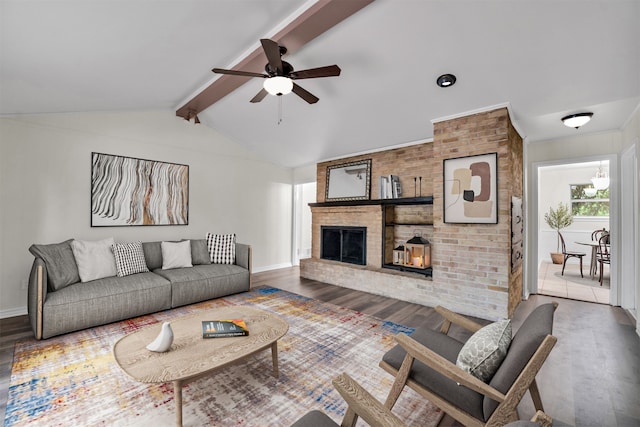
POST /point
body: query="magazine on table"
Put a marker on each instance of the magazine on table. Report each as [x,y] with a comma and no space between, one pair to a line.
[224,328]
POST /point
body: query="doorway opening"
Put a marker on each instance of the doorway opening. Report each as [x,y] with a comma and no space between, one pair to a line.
[582,189]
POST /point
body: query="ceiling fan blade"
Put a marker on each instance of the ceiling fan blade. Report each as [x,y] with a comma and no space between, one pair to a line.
[272,51]
[304,94]
[328,71]
[259,96]
[238,73]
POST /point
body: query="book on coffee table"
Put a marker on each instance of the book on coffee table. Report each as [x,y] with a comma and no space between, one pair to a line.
[224,328]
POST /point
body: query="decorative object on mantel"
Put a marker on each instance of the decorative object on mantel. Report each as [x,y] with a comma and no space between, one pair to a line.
[128,191]
[163,341]
[398,255]
[471,189]
[417,252]
[415,191]
[558,219]
[349,181]
[389,187]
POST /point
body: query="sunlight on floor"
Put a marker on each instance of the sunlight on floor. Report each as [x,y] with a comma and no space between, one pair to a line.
[571,285]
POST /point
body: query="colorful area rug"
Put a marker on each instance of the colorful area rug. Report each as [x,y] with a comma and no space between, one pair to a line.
[74,379]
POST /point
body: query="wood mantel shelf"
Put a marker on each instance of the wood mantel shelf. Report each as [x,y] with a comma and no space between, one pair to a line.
[426,200]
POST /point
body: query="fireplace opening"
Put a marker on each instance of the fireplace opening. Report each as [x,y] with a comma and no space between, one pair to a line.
[345,244]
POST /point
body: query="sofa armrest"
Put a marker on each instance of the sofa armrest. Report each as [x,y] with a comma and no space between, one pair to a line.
[243,256]
[36,295]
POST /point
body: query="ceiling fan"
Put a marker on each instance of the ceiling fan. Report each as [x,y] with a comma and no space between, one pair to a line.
[280,74]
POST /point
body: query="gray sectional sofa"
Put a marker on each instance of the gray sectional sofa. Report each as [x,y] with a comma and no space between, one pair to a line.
[55,310]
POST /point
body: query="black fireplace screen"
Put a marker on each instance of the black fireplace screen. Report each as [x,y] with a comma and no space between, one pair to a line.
[345,244]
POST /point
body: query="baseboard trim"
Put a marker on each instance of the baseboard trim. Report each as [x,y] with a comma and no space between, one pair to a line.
[272,267]
[13,312]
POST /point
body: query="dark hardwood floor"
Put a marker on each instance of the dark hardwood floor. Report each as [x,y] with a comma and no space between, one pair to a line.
[592,377]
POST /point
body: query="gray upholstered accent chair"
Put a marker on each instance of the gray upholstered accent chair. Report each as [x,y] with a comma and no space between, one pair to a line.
[426,362]
[360,404]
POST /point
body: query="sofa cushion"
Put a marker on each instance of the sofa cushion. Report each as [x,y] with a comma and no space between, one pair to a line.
[485,350]
[199,252]
[204,282]
[176,254]
[94,259]
[129,258]
[152,254]
[222,248]
[103,301]
[525,342]
[449,348]
[62,269]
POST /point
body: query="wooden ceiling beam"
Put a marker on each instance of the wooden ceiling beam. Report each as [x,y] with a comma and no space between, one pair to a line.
[320,17]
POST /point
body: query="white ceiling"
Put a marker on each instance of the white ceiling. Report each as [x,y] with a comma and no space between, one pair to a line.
[546,58]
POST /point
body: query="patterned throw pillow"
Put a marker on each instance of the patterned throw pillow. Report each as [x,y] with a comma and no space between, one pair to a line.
[129,258]
[483,353]
[222,248]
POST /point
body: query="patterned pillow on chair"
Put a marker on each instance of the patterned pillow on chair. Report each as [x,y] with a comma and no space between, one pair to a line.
[483,353]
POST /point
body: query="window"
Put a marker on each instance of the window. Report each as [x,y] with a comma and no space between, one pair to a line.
[586,201]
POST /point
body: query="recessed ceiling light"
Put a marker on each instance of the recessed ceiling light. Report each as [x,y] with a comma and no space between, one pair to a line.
[446,80]
[576,120]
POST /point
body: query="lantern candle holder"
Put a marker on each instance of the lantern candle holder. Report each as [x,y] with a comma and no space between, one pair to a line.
[417,253]
[398,255]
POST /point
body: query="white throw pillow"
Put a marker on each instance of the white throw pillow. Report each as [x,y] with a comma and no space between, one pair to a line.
[94,259]
[176,254]
[222,248]
[483,353]
[129,258]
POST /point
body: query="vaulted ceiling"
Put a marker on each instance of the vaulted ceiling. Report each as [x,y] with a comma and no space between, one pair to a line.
[545,58]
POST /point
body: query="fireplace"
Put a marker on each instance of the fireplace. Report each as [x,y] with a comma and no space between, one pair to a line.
[344,244]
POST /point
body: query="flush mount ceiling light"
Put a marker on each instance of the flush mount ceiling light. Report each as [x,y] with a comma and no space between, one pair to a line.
[576,120]
[446,80]
[278,85]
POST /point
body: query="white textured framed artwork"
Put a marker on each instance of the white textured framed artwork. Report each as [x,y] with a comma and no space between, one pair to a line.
[126,191]
[471,189]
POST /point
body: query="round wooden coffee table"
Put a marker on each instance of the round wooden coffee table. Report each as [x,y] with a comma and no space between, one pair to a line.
[192,356]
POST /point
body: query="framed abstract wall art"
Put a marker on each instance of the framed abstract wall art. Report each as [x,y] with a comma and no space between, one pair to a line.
[471,190]
[126,191]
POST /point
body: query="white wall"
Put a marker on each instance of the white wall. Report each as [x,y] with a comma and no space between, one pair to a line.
[631,136]
[45,170]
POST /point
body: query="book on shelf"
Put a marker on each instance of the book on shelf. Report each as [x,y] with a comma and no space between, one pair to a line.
[224,328]
[389,187]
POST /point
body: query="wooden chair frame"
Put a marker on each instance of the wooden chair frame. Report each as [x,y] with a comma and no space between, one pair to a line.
[507,403]
[362,404]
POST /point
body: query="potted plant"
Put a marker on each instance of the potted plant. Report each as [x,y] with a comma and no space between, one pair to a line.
[558,219]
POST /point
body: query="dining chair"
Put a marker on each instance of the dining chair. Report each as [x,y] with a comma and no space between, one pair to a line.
[595,237]
[570,254]
[604,256]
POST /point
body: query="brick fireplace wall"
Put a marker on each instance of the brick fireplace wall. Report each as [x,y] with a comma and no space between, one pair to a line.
[471,262]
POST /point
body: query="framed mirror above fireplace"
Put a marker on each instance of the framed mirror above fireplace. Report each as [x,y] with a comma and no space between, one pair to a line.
[349,181]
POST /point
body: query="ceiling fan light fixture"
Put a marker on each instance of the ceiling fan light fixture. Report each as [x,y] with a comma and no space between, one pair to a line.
[446,80]
[576,120]
[278,85]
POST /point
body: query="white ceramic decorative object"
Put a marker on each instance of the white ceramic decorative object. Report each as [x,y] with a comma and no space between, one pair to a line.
[164,339]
